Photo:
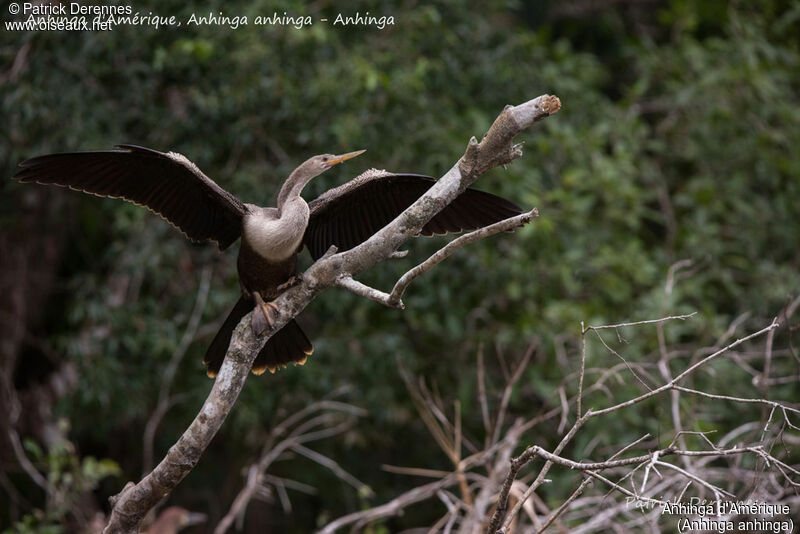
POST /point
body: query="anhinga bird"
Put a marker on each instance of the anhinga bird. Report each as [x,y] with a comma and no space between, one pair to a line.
[173,187]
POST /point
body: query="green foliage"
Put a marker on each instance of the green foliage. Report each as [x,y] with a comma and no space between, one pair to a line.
[35,523]
[677,140]
[69,479]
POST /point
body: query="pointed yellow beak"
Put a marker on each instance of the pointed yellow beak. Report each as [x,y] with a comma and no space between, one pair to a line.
[344,157]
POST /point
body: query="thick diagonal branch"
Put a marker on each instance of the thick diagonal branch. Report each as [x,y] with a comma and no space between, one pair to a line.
[496,148]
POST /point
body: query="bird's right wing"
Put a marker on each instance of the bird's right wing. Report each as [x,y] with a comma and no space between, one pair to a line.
[166,183]
[348,215]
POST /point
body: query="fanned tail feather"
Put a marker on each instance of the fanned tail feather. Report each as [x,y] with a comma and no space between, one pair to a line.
[287,345]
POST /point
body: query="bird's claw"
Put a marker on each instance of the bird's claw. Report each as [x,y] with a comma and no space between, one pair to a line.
[264,316]
[291,282]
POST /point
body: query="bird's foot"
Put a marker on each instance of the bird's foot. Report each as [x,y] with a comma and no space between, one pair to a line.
[264,316]
[291,282]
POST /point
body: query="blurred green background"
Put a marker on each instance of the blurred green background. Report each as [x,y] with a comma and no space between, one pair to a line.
[677,140]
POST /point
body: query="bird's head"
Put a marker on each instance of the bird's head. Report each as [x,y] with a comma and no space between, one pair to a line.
[311,168]
[316,165]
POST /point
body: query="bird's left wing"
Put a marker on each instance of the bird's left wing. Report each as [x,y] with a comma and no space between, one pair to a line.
[167,183]
[348,215]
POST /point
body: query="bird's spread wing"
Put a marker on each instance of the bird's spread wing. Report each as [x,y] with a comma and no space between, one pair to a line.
[166,183]
[350,214]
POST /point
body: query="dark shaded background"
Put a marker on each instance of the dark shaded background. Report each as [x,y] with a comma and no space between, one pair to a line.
[677,140]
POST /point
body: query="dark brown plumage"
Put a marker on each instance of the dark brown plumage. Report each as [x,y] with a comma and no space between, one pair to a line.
[348,215]
[172,186]
[165,183]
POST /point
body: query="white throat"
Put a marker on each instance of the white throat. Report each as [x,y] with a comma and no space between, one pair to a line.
[276,238]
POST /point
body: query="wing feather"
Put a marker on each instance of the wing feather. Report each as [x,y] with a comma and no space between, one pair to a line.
[166,183]
[348,215]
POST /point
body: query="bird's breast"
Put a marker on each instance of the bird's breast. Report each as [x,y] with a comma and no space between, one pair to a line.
[276,238]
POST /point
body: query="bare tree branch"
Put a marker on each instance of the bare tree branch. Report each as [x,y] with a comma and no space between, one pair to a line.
[551,458]
[325,418]
[454,245]
[495,149]
[349,283]
[518,508]
[393,299]
[672,383]
[426,491]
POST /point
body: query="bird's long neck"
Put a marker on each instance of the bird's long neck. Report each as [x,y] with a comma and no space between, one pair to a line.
[275,234]
[292,187]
